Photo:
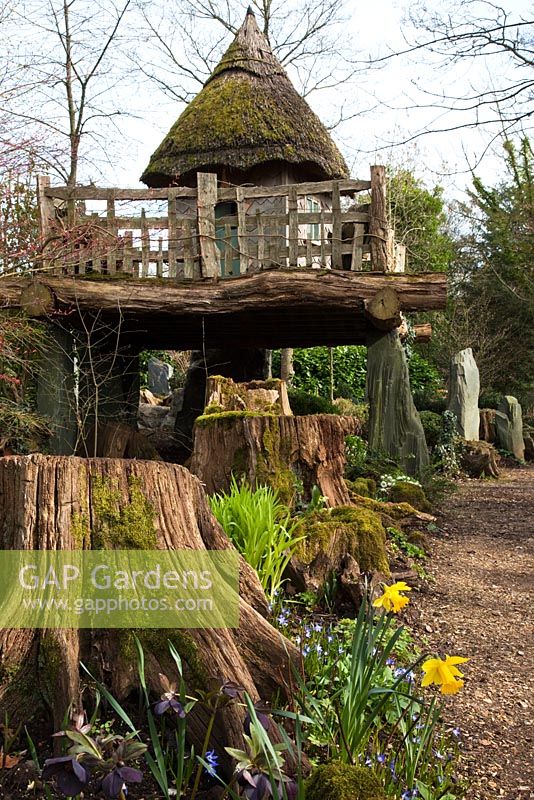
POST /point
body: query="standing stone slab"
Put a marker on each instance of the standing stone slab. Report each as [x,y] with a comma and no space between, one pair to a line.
[159,375]
[509,427]
[395,427]
[464,388]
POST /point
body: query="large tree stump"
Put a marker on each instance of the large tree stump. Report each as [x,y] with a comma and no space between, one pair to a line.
[282,452]
[42,499]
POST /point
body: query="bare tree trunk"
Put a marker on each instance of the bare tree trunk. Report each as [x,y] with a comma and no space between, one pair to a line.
[287,371]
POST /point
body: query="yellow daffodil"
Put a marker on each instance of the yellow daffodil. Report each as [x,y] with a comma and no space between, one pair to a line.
[444,673]
[392,599]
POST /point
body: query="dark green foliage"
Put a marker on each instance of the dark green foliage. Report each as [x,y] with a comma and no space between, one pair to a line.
[355,457]
[312,371]
[339,781]
[491,399]
[303,404]
[432,426]
[418,216]
[425,380]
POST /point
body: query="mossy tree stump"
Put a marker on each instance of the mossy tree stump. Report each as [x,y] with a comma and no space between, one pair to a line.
[291,454]
[68,503]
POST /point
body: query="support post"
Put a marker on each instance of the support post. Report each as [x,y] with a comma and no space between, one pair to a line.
[55,391]
[206,202]
[395,427]
[378,226]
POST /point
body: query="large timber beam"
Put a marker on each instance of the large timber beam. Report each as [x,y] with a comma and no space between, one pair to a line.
[269,309]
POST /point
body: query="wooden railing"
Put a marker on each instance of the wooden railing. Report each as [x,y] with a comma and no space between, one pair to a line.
[214,231]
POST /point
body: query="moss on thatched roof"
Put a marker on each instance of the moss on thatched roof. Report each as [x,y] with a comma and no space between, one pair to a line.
[248,113]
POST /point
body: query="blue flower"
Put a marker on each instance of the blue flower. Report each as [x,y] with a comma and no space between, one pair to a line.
[368,762]
[317,628]
[381,758]
[212,759]
[306,650]
[390,661]
[409,794]
[456,732]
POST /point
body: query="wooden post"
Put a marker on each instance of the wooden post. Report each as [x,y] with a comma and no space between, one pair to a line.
[111,255]
[206,202]
[378,227]
[293,231]
[172,242]
[55,391]
[337,256]
[242,243]
[47,215]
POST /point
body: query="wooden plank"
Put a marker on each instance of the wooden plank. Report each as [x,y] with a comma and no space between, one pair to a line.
[173,234]
[337,261]
[313,187]
[228,251]
[322,233]
[309,258]
[261,239]
[400,258]
[293,226]
[47,214]
[98,193]
[159,259]
[206,202]
[112,230]
[357,248]
[145,245]
[378,226]
[188,249]
[127,259]
[305,218]
[242,242]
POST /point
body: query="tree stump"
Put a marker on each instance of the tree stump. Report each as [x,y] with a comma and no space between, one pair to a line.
[287,453]
[42,500]
[480,459]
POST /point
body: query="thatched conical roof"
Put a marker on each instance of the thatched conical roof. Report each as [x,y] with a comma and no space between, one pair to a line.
[247,114]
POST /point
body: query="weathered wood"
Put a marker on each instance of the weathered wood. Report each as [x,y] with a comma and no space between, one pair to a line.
[337,227]
[206,202]
[172,246]
[357,248]
[41,499]
[116,193]
[271,289]
[36,300]
[378,227]
[275,451]
[384,309]
[145,245]
[480,459]
[293,226]
[242,242]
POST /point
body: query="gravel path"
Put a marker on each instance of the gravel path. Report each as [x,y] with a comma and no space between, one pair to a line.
[481,606]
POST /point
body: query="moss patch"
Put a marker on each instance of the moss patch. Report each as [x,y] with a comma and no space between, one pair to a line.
[403,492]
[272,466]
[211,418]
[338,781]
[118,525]
[364,487]
[350,530]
